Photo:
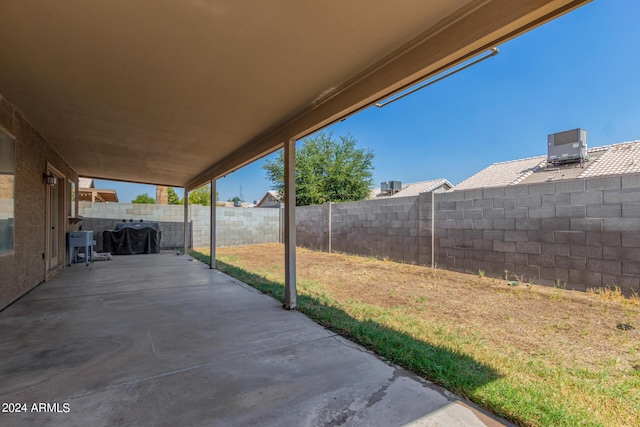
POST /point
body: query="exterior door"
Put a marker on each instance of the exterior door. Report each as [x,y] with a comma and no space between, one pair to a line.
[53,223]
[55,220]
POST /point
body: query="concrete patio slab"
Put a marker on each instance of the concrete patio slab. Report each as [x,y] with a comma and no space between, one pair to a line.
[161,340]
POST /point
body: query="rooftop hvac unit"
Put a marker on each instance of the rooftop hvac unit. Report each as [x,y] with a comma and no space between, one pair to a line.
[391,186]
[567,147]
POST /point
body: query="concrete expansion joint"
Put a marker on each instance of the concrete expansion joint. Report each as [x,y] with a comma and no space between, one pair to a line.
[340,339]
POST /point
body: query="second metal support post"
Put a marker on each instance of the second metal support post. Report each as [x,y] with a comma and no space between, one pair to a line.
[186,222]
[290,225]
[212,222]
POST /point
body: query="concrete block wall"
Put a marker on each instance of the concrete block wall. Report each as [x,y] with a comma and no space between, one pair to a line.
[200,219]
[172,232]
[580,233]
[235,226]
[246,226]
[380,228]
[134,211]
[312,227]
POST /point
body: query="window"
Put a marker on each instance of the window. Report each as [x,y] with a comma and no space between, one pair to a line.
[7,179]
[72,190]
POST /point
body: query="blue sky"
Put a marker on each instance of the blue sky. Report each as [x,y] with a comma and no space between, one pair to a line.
[580,70]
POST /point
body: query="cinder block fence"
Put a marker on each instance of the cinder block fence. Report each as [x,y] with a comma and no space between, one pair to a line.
[577,234]
[235,226]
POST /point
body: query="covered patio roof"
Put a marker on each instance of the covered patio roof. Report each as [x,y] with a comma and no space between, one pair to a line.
[178,93]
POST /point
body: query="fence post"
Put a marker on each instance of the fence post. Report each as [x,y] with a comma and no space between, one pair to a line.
[330,203]
[433,229]
[281,223]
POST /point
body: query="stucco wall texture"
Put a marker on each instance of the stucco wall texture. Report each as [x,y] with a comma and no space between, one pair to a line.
[24,268]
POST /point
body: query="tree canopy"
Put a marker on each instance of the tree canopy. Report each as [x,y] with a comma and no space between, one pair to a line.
[327,170]
[201,196]
[173,197]
[144,199]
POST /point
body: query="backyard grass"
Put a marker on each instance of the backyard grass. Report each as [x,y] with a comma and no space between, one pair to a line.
[536,355]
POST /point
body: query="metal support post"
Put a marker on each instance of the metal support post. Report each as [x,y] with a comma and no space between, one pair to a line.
[186,222]
[290,225]
[212,226]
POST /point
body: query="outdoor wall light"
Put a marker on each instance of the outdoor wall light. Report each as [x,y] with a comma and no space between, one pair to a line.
[49,179]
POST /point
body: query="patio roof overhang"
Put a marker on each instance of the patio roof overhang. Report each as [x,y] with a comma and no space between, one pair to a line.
[178,93]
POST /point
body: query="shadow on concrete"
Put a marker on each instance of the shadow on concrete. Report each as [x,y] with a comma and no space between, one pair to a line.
[157,340]
[453,370]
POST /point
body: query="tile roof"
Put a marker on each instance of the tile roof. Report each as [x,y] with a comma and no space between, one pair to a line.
[616,159]
[414,188]
[85,182]
[504,173]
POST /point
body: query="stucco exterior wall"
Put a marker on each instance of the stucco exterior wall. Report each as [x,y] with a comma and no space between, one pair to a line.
[24,268]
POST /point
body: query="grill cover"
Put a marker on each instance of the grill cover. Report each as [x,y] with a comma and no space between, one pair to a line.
[130,238]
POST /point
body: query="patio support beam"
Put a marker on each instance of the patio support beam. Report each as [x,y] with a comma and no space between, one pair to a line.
[212,222]
[290,225]
[186,222]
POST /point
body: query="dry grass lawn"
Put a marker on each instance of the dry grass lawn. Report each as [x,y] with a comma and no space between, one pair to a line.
[581,349]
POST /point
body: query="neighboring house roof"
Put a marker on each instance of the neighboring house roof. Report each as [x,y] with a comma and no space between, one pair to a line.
[271,198]
[414,188]
[232,205]
[88,193]
[85,183]
[616,159]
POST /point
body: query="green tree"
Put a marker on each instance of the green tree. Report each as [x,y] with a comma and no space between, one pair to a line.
[236,200]
[144,199]
[173,197]
[201,196]
[327,170]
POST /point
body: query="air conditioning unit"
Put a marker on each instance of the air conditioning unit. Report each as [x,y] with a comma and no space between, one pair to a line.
[391,186]
[396,186]
[567,147]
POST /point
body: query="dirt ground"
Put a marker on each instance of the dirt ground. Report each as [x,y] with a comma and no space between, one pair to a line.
[589,329]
